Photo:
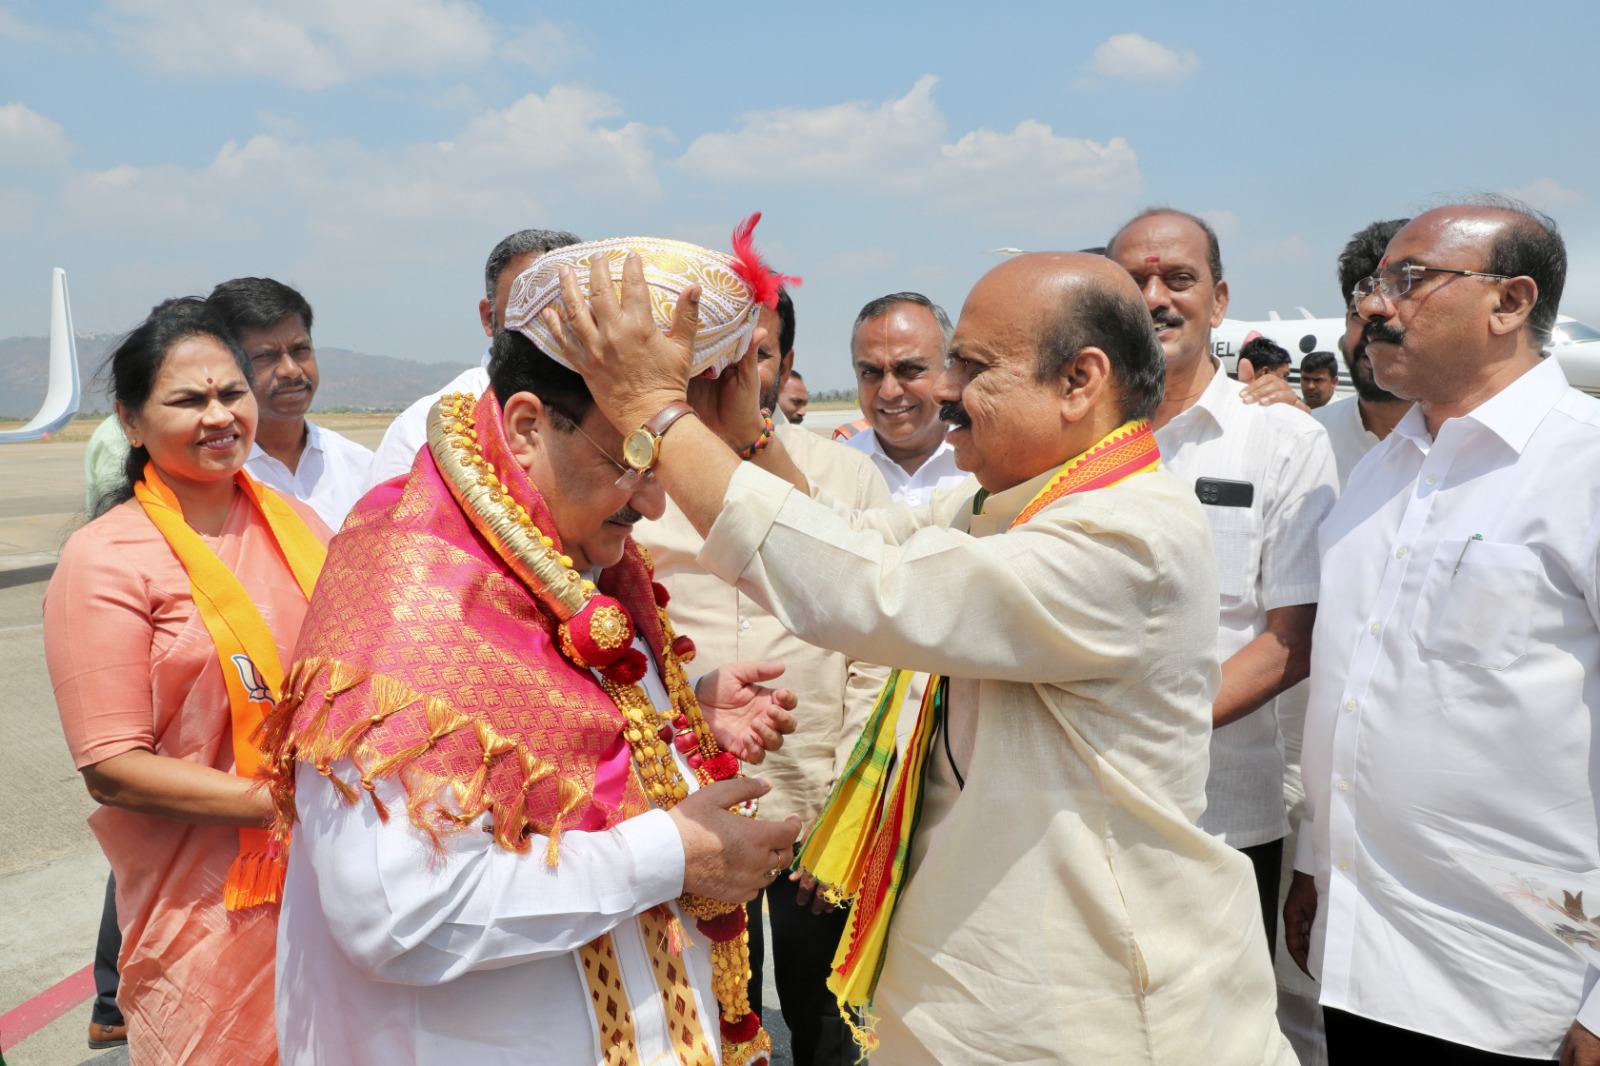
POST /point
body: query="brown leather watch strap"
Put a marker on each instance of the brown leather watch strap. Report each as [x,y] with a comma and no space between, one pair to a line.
[662,420]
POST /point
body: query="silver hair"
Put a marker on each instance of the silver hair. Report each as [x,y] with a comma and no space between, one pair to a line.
[883,304]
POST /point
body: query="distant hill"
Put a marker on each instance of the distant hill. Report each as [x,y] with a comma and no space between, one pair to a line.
[349,379]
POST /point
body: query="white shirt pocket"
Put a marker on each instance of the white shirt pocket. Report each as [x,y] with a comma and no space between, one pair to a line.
[1237,539]
[1476,603]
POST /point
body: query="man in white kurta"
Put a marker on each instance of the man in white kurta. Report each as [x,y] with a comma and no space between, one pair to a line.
[455,915]
[1061,904]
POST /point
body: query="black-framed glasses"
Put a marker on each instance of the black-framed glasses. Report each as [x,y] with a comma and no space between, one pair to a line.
[631,480]
[1395,281]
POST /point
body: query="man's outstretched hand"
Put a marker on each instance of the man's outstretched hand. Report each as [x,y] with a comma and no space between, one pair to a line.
[747,718]
[727,856]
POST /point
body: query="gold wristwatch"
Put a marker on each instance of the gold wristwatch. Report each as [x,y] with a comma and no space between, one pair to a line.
[642,447]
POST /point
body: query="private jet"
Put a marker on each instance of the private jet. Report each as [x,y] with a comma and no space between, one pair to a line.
[1575,345]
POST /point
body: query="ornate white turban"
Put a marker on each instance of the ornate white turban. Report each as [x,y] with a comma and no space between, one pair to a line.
[732,289]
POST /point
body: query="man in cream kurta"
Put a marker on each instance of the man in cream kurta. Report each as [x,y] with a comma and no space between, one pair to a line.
[1061,905]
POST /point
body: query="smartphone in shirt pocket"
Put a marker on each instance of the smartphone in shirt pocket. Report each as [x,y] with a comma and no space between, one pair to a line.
[1234,533]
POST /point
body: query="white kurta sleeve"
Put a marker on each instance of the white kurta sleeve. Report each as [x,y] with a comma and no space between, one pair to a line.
[1058,600]
[402,913]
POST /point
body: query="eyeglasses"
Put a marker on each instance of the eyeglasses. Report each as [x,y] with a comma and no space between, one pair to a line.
[631,480]
[1395,281]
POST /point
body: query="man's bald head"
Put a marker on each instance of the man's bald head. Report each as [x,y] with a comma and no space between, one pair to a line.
[1087,301]
[1512,239]
[1053,351]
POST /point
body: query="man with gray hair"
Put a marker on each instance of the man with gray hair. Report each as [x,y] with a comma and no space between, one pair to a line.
[409,431]
[1455,669]
[897,348]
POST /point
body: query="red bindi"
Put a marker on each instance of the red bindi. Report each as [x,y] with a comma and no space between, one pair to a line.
[208,381]
[1152,259]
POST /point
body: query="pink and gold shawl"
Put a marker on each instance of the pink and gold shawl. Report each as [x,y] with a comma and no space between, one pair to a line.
[423,657]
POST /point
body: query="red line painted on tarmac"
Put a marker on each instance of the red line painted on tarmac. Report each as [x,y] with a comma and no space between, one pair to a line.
[19,1023]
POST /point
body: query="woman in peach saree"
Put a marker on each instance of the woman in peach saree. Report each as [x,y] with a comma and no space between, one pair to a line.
[157,720]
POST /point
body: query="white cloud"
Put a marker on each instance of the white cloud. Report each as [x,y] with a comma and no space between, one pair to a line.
[537,155]
[315,44]
[901,147]
[841,142]
[1135,57]
[28,139]
[1547,194]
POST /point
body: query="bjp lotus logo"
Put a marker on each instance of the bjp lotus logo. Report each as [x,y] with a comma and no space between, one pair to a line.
[253,684]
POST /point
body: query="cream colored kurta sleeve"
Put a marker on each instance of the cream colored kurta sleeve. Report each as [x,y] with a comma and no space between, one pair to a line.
[835,692]
[939,601]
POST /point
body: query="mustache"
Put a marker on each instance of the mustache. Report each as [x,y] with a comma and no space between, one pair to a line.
[626,517]
[1166,319]
[1382,332]
[955,415]
[283,386]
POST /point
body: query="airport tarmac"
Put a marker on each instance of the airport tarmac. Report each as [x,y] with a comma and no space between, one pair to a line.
[52,874]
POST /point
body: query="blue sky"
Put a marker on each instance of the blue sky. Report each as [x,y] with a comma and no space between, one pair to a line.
[372,151]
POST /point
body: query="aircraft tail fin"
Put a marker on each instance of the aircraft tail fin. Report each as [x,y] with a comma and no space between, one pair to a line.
[65,390]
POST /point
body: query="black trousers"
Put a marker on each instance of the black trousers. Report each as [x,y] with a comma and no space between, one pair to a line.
[802,948]
[1268,860]
[1357,1041]
[107,946]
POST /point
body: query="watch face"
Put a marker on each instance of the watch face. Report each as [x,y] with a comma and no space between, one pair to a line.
[639,449]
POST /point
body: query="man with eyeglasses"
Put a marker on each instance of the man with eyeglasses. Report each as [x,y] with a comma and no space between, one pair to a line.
[1357,423]
[1265,478]
[1454,683]
[512,833]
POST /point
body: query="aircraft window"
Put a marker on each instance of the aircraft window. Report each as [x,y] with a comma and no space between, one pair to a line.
[1574,333]
[1308,344]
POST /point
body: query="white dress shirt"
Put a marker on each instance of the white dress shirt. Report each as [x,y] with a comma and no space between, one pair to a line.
[1348,435]
[389,954]
[938,472]
[1266,559]
[1455,688]
[408,433]
[331,475]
